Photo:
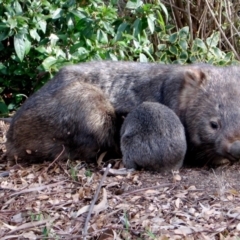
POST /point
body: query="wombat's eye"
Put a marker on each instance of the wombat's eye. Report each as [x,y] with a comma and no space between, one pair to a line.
[214,125]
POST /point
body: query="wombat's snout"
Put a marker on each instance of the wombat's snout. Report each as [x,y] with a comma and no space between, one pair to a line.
[234,150]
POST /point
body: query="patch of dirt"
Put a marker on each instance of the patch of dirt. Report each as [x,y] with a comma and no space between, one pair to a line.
[50,201]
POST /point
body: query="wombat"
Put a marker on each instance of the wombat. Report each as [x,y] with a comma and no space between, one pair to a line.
[75,119]
[206,99]
[153,137]
[203,96]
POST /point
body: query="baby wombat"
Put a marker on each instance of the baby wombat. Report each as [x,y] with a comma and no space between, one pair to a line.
[74,118]
[153,137]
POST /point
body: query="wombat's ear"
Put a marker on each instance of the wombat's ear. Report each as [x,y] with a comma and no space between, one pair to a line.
[193,80]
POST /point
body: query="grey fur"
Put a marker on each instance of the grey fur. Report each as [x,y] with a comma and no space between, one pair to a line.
[77,116]
[153,137]
[201,95]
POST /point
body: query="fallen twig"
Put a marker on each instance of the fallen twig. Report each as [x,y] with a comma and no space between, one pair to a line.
[36,188]
[94,201]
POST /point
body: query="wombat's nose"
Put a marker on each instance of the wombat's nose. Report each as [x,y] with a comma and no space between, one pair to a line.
[234,149]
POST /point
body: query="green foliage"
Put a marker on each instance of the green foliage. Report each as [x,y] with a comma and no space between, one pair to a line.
[73,173]
[39,37]
[88,173]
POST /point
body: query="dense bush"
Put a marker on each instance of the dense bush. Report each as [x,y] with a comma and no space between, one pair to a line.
[38,37]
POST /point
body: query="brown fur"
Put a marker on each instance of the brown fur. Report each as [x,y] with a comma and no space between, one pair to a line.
[76,117]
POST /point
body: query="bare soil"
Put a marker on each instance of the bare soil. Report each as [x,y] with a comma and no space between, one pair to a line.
[50,201]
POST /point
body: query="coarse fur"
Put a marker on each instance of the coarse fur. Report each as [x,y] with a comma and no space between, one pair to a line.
[153,138]
[206,99]
[76,118]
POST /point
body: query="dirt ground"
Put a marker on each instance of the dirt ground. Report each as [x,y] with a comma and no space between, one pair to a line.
[51,200]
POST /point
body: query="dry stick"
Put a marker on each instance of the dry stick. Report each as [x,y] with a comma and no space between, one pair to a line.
[201,23]
[175,15]
[190,22]
[147,188]
[228,12]
[220,21]
[232,25]
[220,29]
[94,201]
[177,8]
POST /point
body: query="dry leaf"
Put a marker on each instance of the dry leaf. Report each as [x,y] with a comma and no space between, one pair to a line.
[97,208]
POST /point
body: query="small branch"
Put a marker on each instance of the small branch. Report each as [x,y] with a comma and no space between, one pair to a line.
[94,201]
[220,29]
[190,22]
[175,16]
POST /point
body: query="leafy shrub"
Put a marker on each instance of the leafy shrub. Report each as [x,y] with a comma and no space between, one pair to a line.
[39,37]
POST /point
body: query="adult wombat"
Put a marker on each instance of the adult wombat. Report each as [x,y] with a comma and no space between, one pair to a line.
[206,98]
[75,117]
[153,137]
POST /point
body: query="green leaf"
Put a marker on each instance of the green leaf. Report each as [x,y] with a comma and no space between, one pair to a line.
[41,49]
[173,37]
[164,58]
[137,27]
[17,7]
[161,21]
[102,36]
[183,56]
[12,23]
[53,39]
[1,46]
[213,40]
[3,68]
[78,14]
[183,32]
[149,51]
[19,46]
[34,34]
[120,30]
[3,26]
[164,10]
[3,108]
[81,51]
[27,46]
[183,44]
[57,13]
[229,56]
[48,62]
[134,4]
[43,25]
[217,52]
[150,21]
[162,47]
[113,57]
[143,57]
[178,61]
[173,49]
[193,58]
[199,43]
[4,35]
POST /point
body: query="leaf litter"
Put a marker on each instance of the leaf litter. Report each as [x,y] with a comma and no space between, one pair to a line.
[51,200]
